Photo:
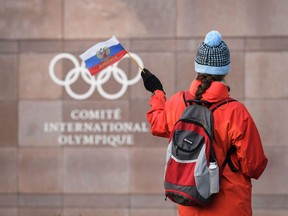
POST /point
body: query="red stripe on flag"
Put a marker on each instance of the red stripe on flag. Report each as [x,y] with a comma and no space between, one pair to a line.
[113,59]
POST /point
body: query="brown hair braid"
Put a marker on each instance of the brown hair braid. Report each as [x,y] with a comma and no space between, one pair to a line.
[206,80]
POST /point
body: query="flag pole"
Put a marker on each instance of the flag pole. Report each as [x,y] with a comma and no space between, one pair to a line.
[135,61]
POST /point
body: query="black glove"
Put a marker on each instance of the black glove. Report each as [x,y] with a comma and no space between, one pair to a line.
[151,82]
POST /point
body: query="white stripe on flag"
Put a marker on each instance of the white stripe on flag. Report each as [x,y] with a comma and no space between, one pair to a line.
[92,50]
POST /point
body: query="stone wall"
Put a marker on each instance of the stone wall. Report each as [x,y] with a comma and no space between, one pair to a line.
[44,172]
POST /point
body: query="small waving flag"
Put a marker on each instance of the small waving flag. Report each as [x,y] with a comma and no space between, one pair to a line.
[102,55]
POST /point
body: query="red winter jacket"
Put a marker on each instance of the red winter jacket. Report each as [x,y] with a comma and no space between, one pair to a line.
[233,125]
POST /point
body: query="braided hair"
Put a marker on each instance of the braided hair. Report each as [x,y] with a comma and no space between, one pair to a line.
[206,80]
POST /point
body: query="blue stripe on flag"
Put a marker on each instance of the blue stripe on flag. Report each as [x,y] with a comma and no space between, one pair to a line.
[94,60]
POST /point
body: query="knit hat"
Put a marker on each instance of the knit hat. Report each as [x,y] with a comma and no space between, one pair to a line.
[213,56]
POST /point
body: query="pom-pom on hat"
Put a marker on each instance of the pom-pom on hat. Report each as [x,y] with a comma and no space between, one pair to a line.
[213,56]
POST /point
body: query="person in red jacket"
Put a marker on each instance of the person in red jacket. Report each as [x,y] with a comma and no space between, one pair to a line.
[233,125]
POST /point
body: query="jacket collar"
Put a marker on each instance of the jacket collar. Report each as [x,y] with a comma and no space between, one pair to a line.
[216,92]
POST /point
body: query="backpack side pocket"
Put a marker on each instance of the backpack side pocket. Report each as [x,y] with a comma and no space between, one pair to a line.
[201,174]
[214,177]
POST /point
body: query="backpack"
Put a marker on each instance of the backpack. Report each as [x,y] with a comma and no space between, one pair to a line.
[192,171]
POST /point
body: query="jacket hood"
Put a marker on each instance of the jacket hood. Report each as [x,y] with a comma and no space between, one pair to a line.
[216,92]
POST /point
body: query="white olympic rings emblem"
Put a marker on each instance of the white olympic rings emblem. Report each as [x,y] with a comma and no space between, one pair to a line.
[94,81]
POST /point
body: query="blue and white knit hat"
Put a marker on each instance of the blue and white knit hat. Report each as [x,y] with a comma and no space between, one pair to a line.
[213,56]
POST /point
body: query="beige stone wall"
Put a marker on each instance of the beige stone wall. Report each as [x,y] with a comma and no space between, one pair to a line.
[41,177]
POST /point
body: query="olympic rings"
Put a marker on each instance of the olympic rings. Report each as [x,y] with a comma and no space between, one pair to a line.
[95,82]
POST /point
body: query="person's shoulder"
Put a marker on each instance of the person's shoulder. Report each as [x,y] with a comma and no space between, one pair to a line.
[177,96]
[237,106]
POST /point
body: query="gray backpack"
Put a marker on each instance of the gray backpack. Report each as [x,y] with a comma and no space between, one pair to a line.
[192,171]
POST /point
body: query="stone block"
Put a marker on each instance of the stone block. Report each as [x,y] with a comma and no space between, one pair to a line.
[234,44]
[96,201]
[151,212]
[153,45]
[162,65]
[9,77]
[231,18]
[273,175]
[80,46]
[189,45]
[8,200]
[34,79]
[35,120]
[8,211]
[266,44]
[40,170]
[185,72]
[96,170]
[42,211]
[9,123]
[8,170]
[30,19]
[265,75]
[96,211]
[151,201]
[8,47]
[124,18]
[43,200]
[138,110]
[271,120]
[147,170]
[236,77]
[270,201]
[148,140]
[268,212]
[42,46]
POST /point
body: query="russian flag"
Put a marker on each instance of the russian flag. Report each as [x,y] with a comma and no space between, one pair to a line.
[102,55]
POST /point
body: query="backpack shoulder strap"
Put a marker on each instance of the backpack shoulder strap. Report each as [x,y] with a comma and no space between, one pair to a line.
[228,160]
[185,97]
[233,149]
[216,105]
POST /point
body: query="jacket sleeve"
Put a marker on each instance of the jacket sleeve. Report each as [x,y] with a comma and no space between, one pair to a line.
[164,113]
[246,138]
[156,116]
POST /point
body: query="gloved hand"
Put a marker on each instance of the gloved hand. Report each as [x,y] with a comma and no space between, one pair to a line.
[151,82]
